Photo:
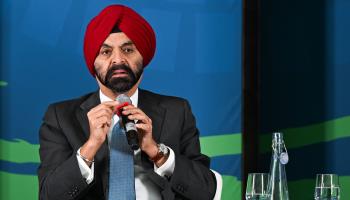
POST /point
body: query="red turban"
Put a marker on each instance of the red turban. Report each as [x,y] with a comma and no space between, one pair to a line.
[129,22]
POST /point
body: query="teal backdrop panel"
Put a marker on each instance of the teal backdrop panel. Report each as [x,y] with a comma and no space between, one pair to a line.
[198,57]
[305,89]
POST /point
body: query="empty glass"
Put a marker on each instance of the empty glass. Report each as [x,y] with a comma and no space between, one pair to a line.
[257,186]
[327,187]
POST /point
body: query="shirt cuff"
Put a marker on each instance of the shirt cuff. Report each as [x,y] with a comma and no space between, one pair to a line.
[86,171]
[167,169]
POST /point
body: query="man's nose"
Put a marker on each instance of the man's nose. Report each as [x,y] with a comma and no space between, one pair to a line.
[118,58]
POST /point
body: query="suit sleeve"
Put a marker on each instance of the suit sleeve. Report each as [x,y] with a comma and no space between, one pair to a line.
[192,178]
[59,173]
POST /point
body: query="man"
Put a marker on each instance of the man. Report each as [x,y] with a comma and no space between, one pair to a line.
[80,155]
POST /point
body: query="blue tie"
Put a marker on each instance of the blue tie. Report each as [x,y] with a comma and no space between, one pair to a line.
[121,167]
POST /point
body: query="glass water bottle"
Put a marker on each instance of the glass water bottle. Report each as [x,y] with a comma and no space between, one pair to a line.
[277,187]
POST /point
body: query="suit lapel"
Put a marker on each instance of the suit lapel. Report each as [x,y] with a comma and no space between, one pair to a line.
[81,113]
[102,155]
[150,104]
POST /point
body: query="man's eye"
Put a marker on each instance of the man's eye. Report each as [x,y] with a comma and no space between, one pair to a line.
[128,50]
[105,52]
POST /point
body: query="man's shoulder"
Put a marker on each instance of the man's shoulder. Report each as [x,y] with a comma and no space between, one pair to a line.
[65,110]
[161,99]
[74,102]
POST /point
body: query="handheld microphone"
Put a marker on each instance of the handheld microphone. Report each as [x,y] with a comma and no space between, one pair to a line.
[128,125]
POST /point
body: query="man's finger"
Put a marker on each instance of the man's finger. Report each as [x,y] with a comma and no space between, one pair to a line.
[101,122]
[145,127]
[108,105]
[139,117]
[132,110]
[103,112]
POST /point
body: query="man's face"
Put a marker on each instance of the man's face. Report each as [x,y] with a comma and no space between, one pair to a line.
[118,64]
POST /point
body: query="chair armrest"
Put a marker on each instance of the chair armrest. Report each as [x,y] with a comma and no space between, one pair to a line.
[218,185]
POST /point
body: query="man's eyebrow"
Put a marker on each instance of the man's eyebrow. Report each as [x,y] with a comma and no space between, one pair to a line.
[106,45]
[127,43]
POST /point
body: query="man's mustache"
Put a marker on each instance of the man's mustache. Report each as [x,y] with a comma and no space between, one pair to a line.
[113,68]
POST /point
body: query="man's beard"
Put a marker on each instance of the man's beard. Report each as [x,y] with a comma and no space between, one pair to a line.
[120,84]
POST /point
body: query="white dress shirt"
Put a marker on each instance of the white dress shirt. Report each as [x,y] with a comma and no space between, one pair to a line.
[145,189]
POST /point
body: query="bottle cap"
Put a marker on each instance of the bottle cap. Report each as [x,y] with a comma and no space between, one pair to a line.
[277,135]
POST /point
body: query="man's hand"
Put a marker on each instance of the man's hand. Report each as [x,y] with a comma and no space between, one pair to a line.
[144,127]
[100,121]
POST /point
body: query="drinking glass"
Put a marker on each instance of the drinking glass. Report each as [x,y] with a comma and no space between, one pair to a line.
[257,186]
[327,187]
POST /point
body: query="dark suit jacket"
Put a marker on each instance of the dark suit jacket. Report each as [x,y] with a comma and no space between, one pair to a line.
[65,129]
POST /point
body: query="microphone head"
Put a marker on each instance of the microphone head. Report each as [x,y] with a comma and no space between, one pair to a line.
[123,98]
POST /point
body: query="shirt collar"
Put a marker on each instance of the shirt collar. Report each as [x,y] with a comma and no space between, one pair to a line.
[134,98]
